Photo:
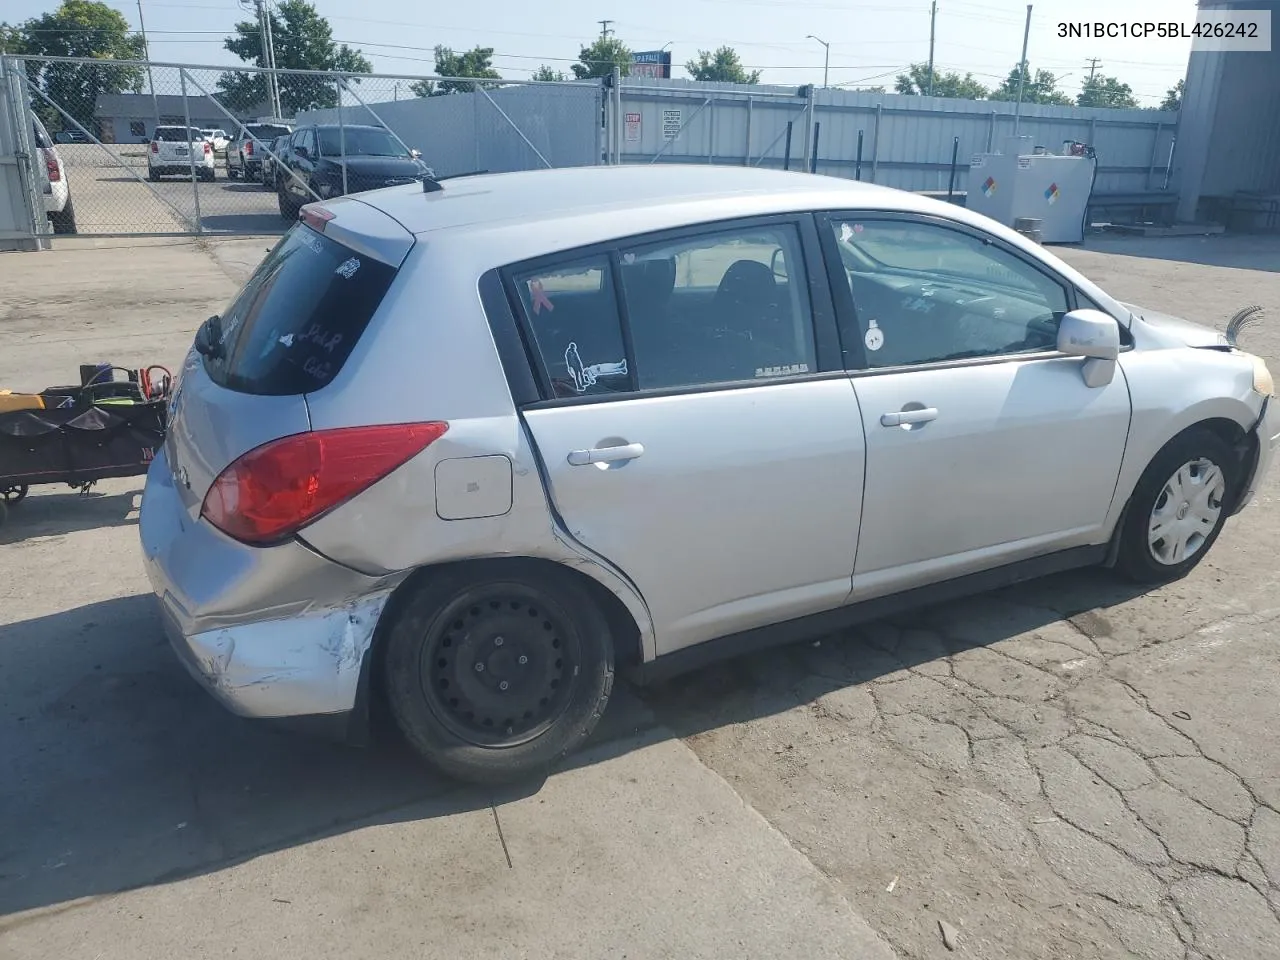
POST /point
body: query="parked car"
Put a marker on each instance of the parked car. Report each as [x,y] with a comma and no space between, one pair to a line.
[54,186]
[468,446]
[372,156]
[275,148]
[245,153]
[218,137]
[71,136]
[175,151]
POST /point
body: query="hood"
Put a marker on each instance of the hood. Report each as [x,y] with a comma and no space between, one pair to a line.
[379,166]
[1185,331]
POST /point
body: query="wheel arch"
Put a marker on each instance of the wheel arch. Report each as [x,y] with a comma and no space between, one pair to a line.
[628,639]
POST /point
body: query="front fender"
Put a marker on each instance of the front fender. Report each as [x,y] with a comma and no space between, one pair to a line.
[1174,390]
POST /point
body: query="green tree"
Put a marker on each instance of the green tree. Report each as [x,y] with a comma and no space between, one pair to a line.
[1041,88]
[545,73]
[78,28]
[1173,99]
[10,39]
[303,40]
[599,59]
[476,62]
[915,82]
[723,66]
[1104,91]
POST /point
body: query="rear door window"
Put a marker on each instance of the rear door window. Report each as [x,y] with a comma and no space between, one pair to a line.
[295,323]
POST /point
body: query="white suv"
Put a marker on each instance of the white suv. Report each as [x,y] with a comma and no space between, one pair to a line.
[53,180]
[175,151]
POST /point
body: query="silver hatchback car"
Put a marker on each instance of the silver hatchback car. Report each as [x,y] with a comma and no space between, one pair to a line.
[469,446]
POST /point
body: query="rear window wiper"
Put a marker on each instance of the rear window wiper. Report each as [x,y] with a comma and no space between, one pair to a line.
[209,338]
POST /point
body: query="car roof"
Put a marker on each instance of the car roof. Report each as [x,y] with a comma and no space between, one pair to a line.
[681,192]
[347,126]
[580,206]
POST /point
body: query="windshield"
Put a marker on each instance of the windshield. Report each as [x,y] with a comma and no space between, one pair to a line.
[176,135]
[267,131]
[360,142]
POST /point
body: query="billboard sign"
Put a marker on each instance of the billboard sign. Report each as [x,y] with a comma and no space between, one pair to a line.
[651,63]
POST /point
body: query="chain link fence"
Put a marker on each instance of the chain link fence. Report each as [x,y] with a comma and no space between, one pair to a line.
[160,148]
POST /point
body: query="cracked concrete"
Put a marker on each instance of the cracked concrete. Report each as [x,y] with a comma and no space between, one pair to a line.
[1066,769]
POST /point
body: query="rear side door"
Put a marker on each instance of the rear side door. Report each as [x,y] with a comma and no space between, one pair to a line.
[984,444]
[697,430]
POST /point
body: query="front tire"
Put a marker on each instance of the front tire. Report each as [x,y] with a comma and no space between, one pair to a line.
[495,676]
[288,206]
[1178,508]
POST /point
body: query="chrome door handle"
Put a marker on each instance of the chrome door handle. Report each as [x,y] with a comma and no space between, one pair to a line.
[629,451]
[908,416]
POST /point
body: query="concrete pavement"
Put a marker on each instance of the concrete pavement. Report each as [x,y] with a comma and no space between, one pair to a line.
[1071,768]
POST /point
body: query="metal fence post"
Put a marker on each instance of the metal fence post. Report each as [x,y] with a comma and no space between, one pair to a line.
[342,137]
[955,156]
[748,151]
[875,143]
[1155,155]
[857,166]
[813,161]
[991,132]
[711,133]
[191,157]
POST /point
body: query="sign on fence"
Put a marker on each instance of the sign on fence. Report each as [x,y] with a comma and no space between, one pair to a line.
[633,127]
[670,124]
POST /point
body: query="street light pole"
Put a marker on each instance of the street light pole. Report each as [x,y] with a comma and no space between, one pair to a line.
[826,59]
[1022,74]
[933,30]
[146,52]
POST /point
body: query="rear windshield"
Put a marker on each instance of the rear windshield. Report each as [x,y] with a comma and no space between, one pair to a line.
[296,321]
[176,135]
[267,131]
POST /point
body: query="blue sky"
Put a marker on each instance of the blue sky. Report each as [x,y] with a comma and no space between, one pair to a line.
[871,40]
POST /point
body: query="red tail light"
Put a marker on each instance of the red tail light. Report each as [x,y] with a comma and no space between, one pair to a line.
[51,165]
[314,217]
[275,490]
[248,149]
[155,147]
[208,148]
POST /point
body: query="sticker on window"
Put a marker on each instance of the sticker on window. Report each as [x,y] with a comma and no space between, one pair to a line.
[874,338]
[347,269]
[782,371]
[586,376]
[539,297]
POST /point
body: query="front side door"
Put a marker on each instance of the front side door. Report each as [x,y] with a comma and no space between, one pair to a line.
[701,435]
[302,164]
[984,445]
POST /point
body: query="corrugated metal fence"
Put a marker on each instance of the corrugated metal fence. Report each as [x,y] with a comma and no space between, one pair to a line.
[907,142]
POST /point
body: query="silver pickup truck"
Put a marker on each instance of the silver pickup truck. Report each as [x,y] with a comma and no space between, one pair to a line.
[246,152]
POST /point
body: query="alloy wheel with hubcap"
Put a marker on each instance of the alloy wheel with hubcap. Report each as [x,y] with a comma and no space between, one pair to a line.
[1179,506]
[1187,511]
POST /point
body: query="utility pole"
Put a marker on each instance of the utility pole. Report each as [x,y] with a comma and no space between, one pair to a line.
[1094,63]
[826,60]
[604,29]
[277,110]
[933,30]
[146,52]
[1022,73]
[268,57]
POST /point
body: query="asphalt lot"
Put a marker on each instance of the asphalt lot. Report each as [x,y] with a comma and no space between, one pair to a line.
[1066,769]
[111,193]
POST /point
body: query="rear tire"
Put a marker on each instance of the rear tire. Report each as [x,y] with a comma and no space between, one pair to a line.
[494,676]
[153,176]
[1179,508]
[232,174]
[64,220]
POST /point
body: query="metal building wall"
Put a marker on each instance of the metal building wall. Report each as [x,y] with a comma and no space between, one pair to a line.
[1229,130]
[907,141]
[512,128]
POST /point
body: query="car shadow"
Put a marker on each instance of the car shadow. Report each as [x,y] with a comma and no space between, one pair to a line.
[257,224]
[124,772]
[42,514]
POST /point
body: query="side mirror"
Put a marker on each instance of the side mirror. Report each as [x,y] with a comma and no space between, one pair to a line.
[300,151]
[416,154]
[1095,336]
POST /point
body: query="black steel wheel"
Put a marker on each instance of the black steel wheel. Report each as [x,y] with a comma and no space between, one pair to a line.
[494,678]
